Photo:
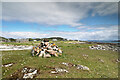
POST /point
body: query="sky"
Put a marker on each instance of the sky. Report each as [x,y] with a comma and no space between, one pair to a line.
[71,20]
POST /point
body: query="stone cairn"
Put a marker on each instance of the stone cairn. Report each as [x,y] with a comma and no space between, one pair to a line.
[46,49]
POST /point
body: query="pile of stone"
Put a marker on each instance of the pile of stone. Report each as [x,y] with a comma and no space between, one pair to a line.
[104,47]
[46,49]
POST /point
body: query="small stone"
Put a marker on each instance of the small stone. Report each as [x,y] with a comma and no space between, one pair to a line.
[60,70]
[56,76]
[101,60]
[82,67]
[53,72]
[8,65]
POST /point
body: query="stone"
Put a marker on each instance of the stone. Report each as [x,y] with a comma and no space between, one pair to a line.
[54,72]
[47,56]
[7,65]
[101,60]
[82,67]
[28,75]
[60,70]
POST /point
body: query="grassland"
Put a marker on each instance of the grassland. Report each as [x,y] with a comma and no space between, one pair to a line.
[73,53]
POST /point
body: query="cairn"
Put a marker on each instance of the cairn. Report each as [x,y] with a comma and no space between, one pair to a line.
[46,49]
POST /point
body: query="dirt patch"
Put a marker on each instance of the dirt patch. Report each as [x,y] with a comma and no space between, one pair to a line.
[25,72]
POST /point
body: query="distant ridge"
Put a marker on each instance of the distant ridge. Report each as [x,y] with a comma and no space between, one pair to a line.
[1,38]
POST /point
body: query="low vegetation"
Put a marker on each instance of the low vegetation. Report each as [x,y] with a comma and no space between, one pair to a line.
[72,53]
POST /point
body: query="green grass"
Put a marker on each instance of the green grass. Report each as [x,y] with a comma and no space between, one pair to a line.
[73,53]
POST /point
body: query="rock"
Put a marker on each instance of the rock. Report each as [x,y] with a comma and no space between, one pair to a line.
[105,47]
[28,75]
[60,51]
[74,65]
[7,65]
[117,60]
[34,72]
[47,56]
[54,72]
[25,70]
[68,64]
[31,70]
[85,55]
[101,60]
[60,70]
[82,67]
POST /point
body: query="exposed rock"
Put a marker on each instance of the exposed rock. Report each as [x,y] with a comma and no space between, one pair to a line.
[85,55]
[68,64]
[117,60]
[25,72]
[83,67]
[78,66]
[54,72]
[7,65]
[59,70]
[30,75]
[47,56]
[105,47]
[14,47]
[101,60]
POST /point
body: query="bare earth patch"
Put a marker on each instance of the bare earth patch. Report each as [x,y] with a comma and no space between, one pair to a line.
[25,72]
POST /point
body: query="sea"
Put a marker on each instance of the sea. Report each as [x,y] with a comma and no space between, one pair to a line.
[104,41]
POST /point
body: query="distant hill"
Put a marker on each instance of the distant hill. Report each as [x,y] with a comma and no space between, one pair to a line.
[3,38]
[7,39]
[31,39]
[116,41]
[58,38]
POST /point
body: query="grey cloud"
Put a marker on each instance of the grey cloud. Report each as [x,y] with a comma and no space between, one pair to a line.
[60,0]
[106,8]
[51,13]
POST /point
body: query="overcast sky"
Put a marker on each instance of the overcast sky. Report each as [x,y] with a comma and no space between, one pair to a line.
[71,20]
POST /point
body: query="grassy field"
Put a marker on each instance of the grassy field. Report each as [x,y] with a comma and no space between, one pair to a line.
[73,53]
